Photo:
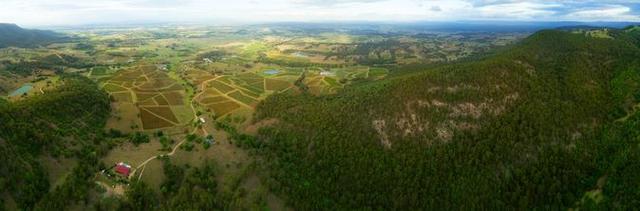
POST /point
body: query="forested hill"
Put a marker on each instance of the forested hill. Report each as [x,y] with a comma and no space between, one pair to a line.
[13,35]
[64,122]
[547,124]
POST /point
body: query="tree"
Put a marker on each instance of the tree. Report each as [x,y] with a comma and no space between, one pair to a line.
[141,197]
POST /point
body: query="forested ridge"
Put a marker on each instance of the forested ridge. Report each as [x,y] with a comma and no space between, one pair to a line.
[64,122]
[13,35]
[547,124]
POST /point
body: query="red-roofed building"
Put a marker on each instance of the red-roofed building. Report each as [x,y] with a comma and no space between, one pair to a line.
[123,169]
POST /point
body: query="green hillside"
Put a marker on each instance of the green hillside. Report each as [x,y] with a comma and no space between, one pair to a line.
[66,123]
[547,124]
[13,35]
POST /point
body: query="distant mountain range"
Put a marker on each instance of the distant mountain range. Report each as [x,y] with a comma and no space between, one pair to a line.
[449,26]
[11,35]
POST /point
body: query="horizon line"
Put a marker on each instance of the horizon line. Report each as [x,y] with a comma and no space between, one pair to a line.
[254,23]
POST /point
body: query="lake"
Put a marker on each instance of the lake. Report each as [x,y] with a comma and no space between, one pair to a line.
[23,89]
[271,72]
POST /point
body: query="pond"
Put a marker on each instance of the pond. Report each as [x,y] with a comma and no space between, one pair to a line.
[23,89]
[299,54]
[271,72]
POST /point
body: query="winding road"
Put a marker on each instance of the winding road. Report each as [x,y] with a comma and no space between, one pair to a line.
[175,148]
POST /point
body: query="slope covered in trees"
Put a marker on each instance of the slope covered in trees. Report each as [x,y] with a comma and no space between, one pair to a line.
[13,35]
[65,122]
[546,124]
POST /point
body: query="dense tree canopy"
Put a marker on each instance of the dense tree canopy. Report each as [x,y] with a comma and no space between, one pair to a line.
[68,122]
[534,126]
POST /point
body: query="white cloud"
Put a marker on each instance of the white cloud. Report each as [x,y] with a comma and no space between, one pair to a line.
[518,11]
[332,2]
[67,12]
[606,13]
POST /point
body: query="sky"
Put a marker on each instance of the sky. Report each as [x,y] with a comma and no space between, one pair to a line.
[82,12]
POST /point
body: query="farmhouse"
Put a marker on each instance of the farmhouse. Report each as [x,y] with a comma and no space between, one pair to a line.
[123,169]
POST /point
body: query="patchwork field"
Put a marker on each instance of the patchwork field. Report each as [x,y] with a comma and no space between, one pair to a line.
[146,98]
[165,82]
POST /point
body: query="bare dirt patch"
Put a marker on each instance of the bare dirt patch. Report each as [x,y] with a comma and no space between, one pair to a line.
[380,125]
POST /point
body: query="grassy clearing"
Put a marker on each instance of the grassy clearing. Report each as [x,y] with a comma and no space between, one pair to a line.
[133,155]
[124,116]
[153,174]
[231,159]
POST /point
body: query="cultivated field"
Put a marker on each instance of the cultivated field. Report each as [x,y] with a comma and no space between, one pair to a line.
[145,97]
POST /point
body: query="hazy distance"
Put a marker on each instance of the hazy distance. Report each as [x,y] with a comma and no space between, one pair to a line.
[36,13]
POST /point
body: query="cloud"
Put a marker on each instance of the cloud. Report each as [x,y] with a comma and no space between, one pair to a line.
[605,13]
[332,2]
[520,10]
[70,12]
